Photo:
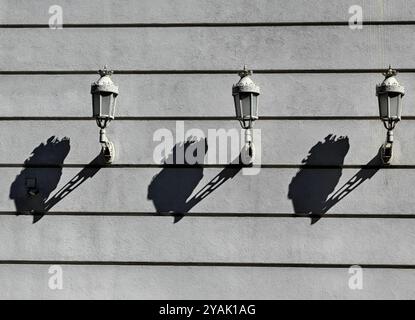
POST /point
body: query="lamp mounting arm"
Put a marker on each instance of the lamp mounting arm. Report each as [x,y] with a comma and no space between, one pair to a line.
[249,148]
[387,148]
[108,149]
[390,124]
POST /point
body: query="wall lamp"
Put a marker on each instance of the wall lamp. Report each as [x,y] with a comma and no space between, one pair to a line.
[389,94]
[104,98]
[245,94]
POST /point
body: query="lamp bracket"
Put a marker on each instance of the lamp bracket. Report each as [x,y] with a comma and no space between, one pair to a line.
[387,153]
[248,154]
[108,151]
[108,148]
[387,149]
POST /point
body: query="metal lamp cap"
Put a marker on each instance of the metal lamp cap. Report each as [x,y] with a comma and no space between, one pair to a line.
[104,83]
[390,84]
[245,84]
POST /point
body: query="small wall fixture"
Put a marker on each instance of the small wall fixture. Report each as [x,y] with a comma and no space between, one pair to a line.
[31,187]
[245,94]
[389,94]
[104,97]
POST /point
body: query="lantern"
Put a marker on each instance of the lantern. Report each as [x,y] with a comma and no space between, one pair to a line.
[245,94]
[104,97]
[389,94]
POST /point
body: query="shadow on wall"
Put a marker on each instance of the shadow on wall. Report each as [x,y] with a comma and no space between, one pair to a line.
[311,187]
[309,190]
[171,188]
[33,186]
[367,172]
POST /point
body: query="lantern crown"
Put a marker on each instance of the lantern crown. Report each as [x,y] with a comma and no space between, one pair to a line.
[245,72]
[390,84]
[104,83]
[245,84]
[105,71]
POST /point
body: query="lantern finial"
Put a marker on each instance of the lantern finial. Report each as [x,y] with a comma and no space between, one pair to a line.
[245,72]
[105,71]
[390,72]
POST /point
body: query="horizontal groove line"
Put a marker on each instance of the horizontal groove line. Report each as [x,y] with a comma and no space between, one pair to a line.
[206,24]
[198,118]
[222,71]
[218,215]
[207,264]
[207,166]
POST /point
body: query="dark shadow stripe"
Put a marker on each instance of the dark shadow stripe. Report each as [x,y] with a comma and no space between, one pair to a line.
[218,215]
[223,71]
[207,264]
[207,24]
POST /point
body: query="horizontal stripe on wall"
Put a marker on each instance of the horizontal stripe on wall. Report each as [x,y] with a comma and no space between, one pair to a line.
[201,95]
[205,264]
[209,190]
[224,215]
[233,11]
[205,24]
[109,282]
[284,143]
[325,47]
[330,241]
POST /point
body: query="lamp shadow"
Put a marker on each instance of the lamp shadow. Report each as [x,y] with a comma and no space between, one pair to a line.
[43,169]
[229,172]
[45,179]
[365,173]
[171,188]
[311,187]
[88,172]
[311,190]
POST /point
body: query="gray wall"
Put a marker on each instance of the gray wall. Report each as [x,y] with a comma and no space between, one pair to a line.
[250,238]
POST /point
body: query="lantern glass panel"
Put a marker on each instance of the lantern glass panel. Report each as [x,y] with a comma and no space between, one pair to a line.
[255,106]
[395,106]
[96,105]
[113,105]
[383,106]
[106,104]
[246,105]
[237,106]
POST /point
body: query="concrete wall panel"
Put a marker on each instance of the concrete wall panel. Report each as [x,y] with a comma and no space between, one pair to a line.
[137,282]
[198,95]
[284,142]
[217,48]
[231,11]
[204,239]
[126,190]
